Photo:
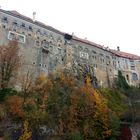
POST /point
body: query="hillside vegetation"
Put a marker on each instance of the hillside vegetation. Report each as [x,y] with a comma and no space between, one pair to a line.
[61,106]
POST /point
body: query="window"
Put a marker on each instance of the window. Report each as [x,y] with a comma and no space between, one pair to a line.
[29,35]
[11,36]
[93,52]
[21,38]
[132,62]
[16,36]
[15,23]
[127,77]
[23,25]
[102,60]
[37,43]
[93,57]
[45,46]
[51,37]
[119,64]
[59,44]
[30,28]
[132,67]
[38,32]
[45,33]
[84,55]
[34,63]
[101,54]
[5,20]
[45,43]
[3,26]
[114,64]
[107,57]
[59,50]
[51,48]
[134,77]
[52,65]
[113,57]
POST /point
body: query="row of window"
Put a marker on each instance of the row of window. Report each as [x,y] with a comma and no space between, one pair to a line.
[30,28]
[93,52]
[21,38]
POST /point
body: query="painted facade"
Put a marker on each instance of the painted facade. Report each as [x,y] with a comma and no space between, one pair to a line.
[45,49]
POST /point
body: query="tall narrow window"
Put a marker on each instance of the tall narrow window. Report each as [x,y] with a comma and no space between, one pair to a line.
[127,77]
[30,28]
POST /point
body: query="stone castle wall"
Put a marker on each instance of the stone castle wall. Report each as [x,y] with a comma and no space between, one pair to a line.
[44,49]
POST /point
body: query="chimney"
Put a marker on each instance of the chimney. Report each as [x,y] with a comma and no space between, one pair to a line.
[34,16]
[118,48]
[72,33]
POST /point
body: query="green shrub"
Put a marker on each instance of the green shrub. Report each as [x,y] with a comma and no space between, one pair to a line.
[6,92]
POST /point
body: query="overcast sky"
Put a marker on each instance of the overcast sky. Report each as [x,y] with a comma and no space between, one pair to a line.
[107,22]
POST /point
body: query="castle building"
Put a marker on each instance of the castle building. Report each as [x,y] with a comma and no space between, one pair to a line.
[45,49]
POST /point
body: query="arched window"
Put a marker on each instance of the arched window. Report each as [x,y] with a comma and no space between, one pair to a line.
[134,77]
[127,77]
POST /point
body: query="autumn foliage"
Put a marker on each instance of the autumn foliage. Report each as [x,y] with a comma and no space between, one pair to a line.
[26,135]
[78,108]
[70,108]
[65,104]
[14,104]
[9,63]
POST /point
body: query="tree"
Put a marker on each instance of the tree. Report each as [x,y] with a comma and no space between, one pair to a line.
[118,107]
[27,79]
[121,81]
[77,109]
[15,106]
[9,63]
[97,115]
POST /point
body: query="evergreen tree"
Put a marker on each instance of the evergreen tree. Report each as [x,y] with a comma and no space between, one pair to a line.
[121,81]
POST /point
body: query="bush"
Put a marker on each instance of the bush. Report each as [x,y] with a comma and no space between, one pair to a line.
[6,92]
